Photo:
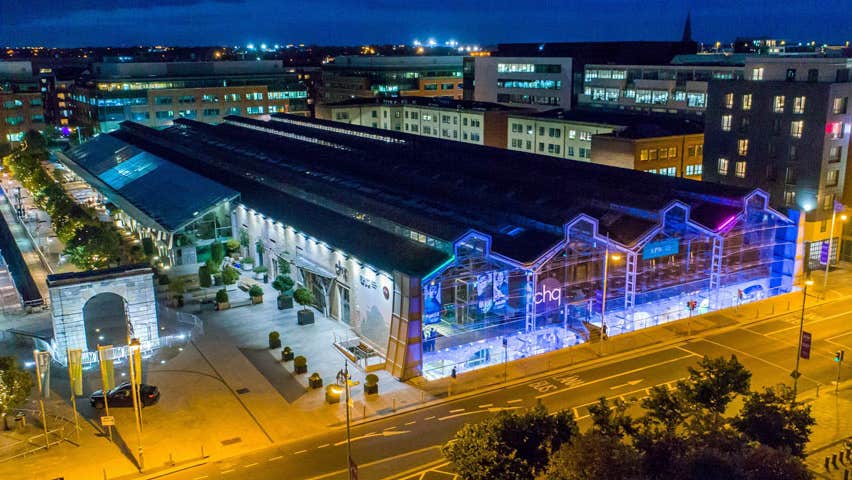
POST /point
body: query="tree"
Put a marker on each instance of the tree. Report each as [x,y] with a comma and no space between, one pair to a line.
[664,407]
[282,283]
[204,276]
[766,462]
[592,456]
[148,246]
[611,420]
[217,252]
[715,383]
[80,258]
[15,384]
[230,275]
[774,419]
[509,445]
[304,297]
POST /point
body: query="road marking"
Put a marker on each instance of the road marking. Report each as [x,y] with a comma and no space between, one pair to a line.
[199,478]
[628,384]
[603,379]
[227,471]
[687,351]
[250,465]
[486,405]
[517,400]
[279,457]
[376,462]
[743,352]
[430,418]
[419,471]
[411,422]
[457,410]
[300,452]
[389,428]
[441,419]
[808,322]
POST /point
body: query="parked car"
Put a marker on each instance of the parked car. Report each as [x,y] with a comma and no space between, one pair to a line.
[121,396]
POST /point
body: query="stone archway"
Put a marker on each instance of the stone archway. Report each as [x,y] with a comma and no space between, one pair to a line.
[104,320]
[82,297]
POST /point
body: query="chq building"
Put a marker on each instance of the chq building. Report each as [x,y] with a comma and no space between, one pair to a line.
[438,255]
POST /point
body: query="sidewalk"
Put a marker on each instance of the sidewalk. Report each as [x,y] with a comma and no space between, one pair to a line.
[833,428]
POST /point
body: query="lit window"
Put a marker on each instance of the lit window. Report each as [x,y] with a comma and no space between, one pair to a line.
[799,105]
[839,105]
[828,202]
[741,169]
[747,101]
[729,100]
[742,147]
[834,130]
[796,128]
[831,178]
[778,104]
[643,154]
[789,198]
[664,153]
[726,123]
[757,73]
[723,166]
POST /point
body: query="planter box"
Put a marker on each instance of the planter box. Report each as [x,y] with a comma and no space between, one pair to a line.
[306,317]
[287,357]
[285,302]
[256,300]
[371,389]
[275,343]
[300,369]
[315,383]
[223,306]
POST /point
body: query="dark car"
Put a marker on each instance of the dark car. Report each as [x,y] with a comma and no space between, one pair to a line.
[122,396]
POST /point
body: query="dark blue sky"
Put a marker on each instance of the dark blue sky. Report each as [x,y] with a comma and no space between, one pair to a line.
[231,22]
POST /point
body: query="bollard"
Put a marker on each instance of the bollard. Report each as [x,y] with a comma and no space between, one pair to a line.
[171,459]
[773,309]
[826,463]
[202,451]
[105,475]
[834,460]
[840,457]
[846,474]
[364,411]
[788,304]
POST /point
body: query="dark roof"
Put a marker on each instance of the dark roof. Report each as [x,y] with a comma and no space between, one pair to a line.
[169,195]
[440,102]
[359,175]
[629,52]
[71,278]
[636,125]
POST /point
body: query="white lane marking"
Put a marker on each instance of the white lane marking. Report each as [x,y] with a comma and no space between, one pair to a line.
[486,405]
[299,452]
[227,471]
[743,352]
[430,418]
[630,383]
[324,445]
[411,422]
[250,465]
[517,400]
[603,379]
[441,419]
[199,478]
[279,457]
[389,428]
[457,410]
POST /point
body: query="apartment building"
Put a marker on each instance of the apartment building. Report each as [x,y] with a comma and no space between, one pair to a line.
[21,103]
[785,128]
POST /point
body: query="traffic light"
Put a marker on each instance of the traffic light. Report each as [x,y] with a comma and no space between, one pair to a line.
[691,305]
[740,294]
[838,355]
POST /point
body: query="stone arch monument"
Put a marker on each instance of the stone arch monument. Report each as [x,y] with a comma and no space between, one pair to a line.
[75,296]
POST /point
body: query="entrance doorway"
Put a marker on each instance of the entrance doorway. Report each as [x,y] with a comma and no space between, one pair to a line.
[103,316]
[340,304]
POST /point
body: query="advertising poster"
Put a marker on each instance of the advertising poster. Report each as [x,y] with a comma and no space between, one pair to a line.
[501,290]
[75,371]
[485,292]
[432,303]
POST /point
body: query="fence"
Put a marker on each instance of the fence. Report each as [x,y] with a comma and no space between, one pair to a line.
[58,428]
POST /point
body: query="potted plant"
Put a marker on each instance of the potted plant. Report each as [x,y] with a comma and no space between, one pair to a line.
[285,297]
[232,246]
[371,384]
[204,278]
[274,340]
[287,354]
[177,288]
[332,393]
[304,297]
[256,294]
[217,252]
[300,364]
[217,279]
[222,302]
[247,264]
[230,275]
[260,273]
[315,381]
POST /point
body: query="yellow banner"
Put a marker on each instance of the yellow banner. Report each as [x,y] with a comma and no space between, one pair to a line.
[107,369]
[75,371]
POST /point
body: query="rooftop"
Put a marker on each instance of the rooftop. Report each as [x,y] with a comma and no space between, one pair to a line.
[71,278]
[370,192]
[635,125]
[436,102]
[134,179]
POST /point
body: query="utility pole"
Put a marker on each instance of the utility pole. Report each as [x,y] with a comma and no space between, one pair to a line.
[796,373]
[132,347]
[350,465]
[39,356]
[73,367]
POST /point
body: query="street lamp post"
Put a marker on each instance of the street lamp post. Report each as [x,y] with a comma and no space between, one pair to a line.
[615,257]
[796,373]
[830,244]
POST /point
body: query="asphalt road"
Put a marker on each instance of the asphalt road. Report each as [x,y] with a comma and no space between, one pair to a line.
[403,445]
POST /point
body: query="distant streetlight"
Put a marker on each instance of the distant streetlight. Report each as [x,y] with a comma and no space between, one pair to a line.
[796,373]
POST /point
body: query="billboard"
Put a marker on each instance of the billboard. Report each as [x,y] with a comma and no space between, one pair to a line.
[485,292]
[501,290]
[432,303]
[663,248]
[547,296]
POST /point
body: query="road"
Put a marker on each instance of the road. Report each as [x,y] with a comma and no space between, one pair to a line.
[404,445]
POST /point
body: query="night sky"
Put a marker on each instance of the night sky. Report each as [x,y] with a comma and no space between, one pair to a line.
[338,22]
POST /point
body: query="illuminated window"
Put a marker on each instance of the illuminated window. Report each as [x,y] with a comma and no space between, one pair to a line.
[839,105]
[799,105]
[254,96]
[796,128]
[729,100]
[834,153]
[747,101]
[835,130]
[790,176]
[723,166]
[789,198]
[831,178]
[643,154]
[757,73]
[696,100]
[778,104]
[664,153]
[209,98]
[740,169]
[572,134]
[742,147]
[828,202]
[726,123]
[652,154]
[672,152]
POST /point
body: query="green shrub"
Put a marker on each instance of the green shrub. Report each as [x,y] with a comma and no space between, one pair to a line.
[274,340]
[148,246]
[230,275]
[164,279]
[283,267]
[303,297]
[283,283]
[260,269]
[273,335]
[213,266]
[204,276]
[255,291]
[371,379]
[221,296]
[232,246]
[217,252]
[300,361]
[248,261]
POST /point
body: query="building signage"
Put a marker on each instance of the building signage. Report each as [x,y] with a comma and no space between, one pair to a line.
[548,296]
[806,345]
[663,248]
[367,283]
[823,253]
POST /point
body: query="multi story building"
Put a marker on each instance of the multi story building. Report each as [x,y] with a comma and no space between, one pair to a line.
[659,144]
[533,82]
[21,103]
[785,128]
[156,93]
[348,77]
[678,89]
[478,123]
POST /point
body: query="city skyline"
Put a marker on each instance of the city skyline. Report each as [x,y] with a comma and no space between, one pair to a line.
[213,22]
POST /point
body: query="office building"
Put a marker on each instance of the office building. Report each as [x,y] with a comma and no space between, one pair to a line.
[532,82]
[21,103]
[440,256]
[351,76]
[478,123]
[785,129]
[157,93]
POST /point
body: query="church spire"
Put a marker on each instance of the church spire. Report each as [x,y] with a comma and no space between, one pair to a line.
[687,29]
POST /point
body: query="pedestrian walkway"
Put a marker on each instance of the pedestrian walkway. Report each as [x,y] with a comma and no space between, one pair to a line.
[833,433]
[34,263]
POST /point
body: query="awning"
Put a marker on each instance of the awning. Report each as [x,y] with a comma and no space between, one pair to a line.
[313,267]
